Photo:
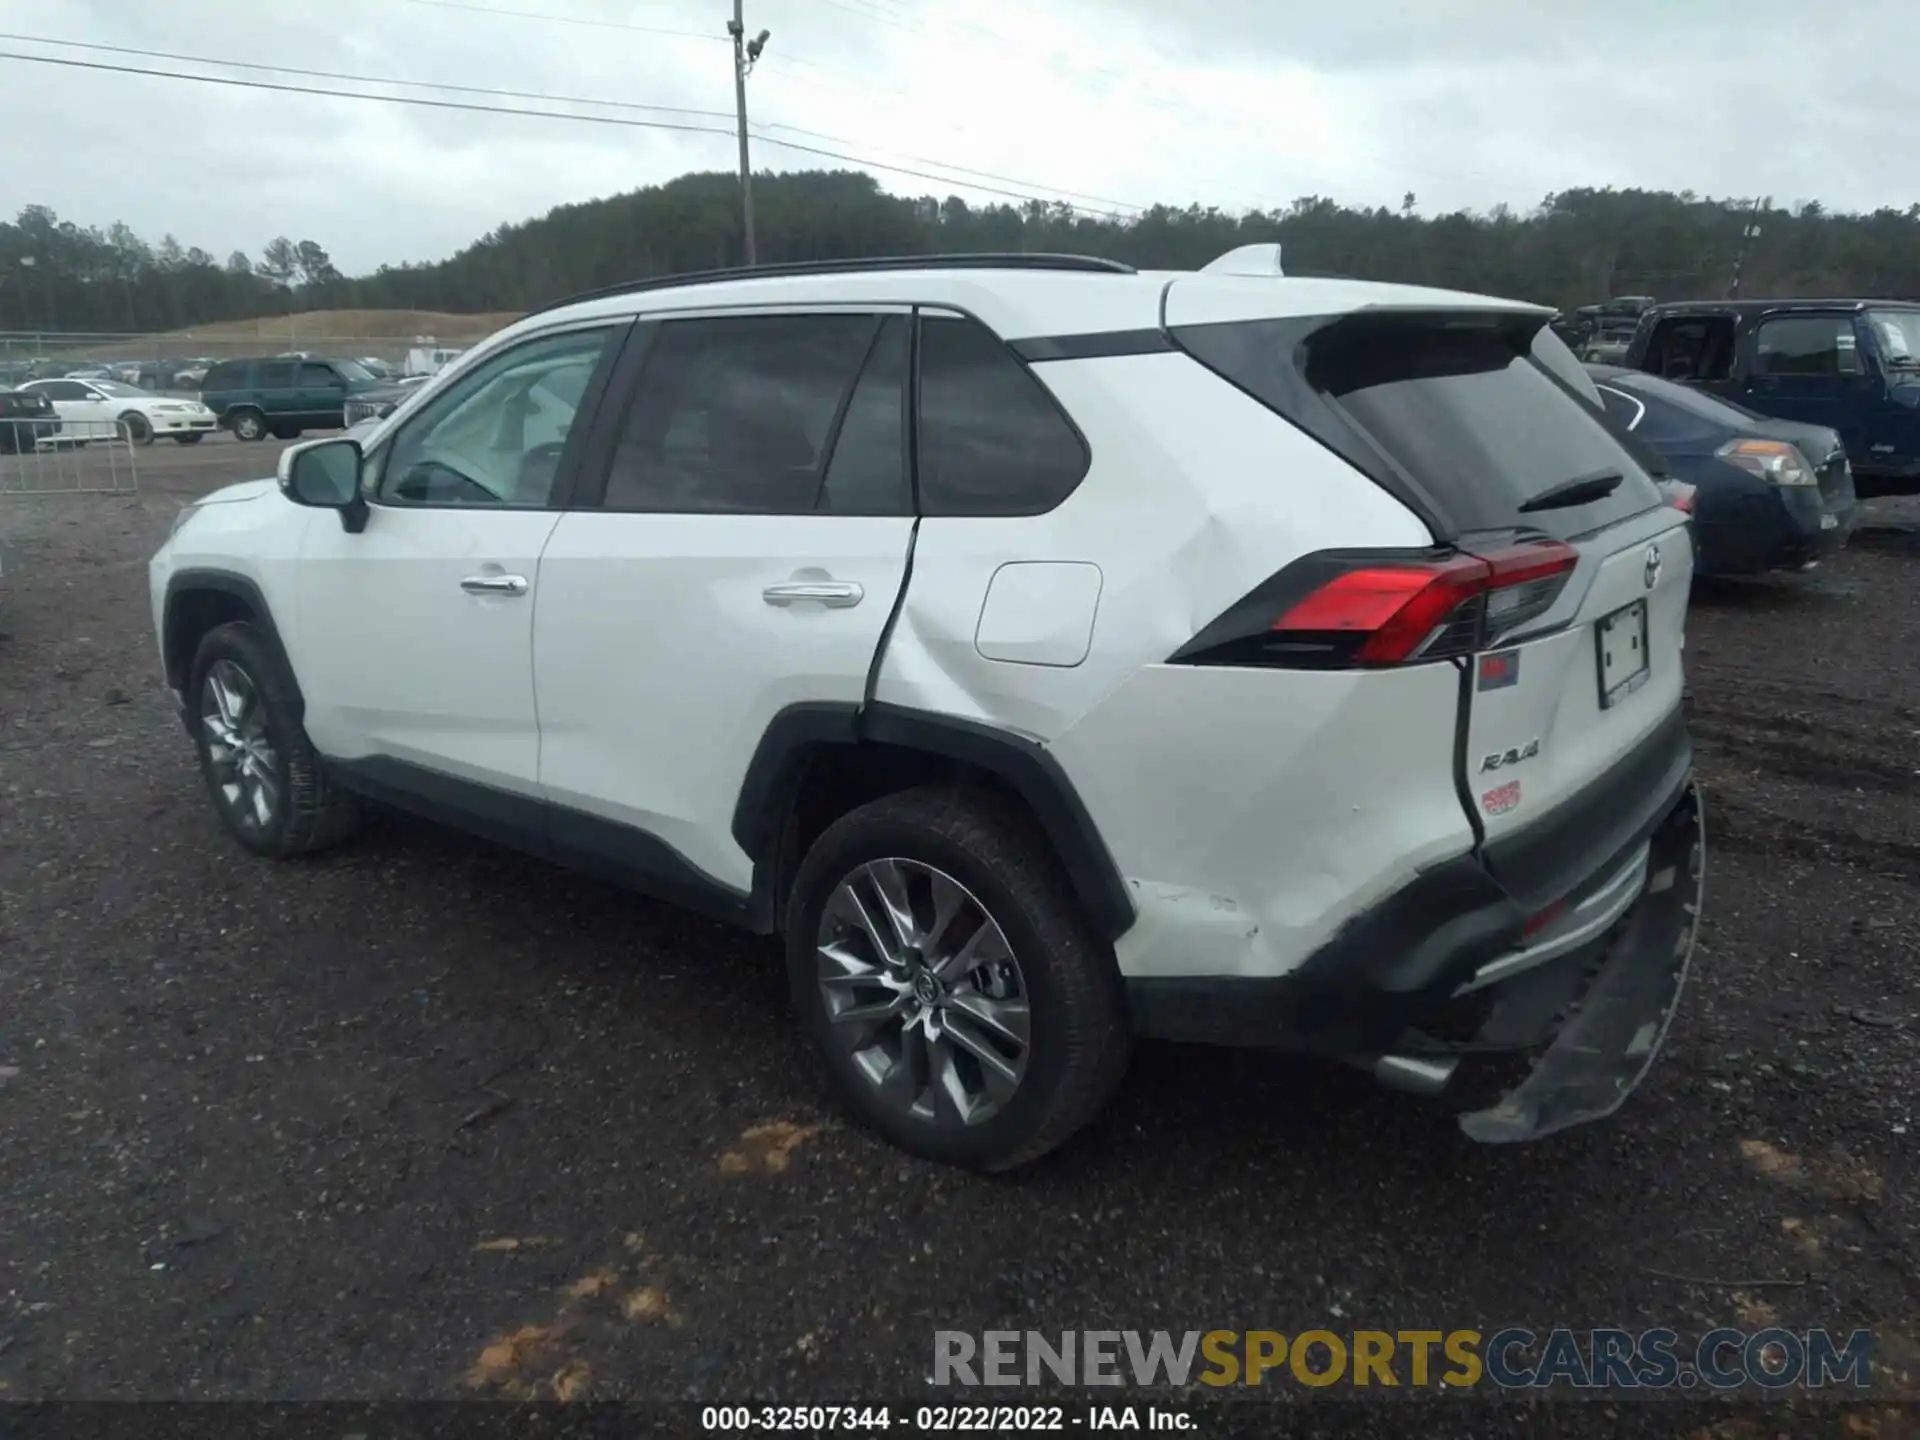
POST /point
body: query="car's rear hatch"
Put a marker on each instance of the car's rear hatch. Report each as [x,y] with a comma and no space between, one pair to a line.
[1570,657]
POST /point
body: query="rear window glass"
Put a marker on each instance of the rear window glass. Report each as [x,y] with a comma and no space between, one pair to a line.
[1449,411]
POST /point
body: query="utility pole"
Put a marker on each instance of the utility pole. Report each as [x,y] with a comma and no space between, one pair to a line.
[1749,232]
[745,52]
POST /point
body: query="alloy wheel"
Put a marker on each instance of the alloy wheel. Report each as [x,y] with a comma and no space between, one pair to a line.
[923,993]
[246,768]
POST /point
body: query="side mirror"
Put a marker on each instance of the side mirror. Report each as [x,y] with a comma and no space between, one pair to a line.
[325,475]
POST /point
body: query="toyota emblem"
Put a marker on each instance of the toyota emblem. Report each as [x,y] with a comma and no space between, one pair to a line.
[1653,566]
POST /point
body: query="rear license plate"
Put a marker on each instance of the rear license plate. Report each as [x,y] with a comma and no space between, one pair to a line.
[1622,641]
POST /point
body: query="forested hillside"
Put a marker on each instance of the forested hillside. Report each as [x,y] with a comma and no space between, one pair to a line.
[1575,247]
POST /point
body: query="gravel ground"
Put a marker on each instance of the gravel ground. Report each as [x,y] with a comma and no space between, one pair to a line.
[426,1119]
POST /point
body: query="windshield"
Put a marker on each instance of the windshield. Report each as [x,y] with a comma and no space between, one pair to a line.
[118,390]
[354,370]
[1898,332]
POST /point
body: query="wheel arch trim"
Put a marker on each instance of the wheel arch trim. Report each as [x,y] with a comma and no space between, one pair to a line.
[792,737]
[222,582]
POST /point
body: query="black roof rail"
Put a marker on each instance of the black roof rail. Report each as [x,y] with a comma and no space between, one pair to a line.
[987,261]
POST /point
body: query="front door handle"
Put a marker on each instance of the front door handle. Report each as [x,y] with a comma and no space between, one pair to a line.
[834,594]
[495,584]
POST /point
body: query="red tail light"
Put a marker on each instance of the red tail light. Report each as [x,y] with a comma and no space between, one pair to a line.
[1678,494]
[1331,611]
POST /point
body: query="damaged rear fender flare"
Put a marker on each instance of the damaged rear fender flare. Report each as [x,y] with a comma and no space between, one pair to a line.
[794,736]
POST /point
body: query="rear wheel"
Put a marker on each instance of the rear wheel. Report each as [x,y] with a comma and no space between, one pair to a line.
[249,424]
[261,771]
[136,429]
[286,432]
[941,965]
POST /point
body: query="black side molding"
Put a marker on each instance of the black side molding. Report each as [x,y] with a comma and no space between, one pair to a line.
[1093,346]
[591,844]
[1037,778]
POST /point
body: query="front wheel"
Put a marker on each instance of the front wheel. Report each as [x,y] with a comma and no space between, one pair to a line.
[943,968]
[261,771]
[136,429]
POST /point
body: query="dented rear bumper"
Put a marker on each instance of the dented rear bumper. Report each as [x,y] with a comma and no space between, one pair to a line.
[1446,988]
[1596,1048]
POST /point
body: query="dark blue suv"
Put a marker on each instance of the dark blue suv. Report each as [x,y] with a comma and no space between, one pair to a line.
[1851,365]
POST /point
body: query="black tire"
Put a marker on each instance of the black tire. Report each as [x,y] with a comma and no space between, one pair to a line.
[1078,1037]
[136,429]
[286,432]
[190,439]
[310,813]
[247,423]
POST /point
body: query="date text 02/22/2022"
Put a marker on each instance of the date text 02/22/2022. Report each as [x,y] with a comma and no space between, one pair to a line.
[943,1419]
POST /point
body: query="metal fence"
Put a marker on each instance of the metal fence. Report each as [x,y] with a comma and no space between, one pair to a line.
[79,457]
[177,363]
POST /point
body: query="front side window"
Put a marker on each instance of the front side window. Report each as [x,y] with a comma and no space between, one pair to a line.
[1807,345]
[992,440]
[496,437]
[318,377]
[738,415]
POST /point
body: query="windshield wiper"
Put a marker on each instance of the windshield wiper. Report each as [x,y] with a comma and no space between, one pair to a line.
[1580,490]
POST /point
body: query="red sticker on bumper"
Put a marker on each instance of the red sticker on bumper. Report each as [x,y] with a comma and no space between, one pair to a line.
[1501,799]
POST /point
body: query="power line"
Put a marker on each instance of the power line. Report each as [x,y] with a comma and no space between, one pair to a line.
[147,54]
[567,20]
[470,108]
[370,79]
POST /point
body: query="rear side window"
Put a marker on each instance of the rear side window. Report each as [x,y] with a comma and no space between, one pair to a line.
[276,375]
[738,415]
[230,376]
[1690,347]
[1449,411]
[992,440]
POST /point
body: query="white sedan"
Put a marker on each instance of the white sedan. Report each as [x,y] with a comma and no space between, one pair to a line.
[108,409]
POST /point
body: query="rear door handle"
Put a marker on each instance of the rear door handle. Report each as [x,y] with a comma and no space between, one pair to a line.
[495,584]
[834,594]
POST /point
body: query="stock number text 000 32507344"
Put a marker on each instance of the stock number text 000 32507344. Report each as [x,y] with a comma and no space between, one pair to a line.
[939,1419]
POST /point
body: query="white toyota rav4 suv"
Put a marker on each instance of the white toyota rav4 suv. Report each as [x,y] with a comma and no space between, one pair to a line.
[1049,652]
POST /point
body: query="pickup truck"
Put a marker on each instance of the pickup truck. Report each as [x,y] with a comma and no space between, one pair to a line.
[1851,365]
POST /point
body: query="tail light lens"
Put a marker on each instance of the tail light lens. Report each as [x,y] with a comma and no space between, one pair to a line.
[1354,610]
[1778,462]
[1678,494]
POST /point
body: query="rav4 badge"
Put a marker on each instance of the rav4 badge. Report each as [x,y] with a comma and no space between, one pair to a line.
[1500,759]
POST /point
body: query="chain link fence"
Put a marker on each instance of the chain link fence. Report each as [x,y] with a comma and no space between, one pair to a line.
[176,364]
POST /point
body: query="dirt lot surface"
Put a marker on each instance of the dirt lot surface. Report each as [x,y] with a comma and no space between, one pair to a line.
[422,1118]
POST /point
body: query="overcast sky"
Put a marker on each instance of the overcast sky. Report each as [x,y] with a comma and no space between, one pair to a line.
[1113,103]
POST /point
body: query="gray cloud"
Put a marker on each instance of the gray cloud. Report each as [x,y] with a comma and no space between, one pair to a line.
[1235,102]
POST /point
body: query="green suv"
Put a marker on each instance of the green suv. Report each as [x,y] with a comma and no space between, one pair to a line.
[283,395]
